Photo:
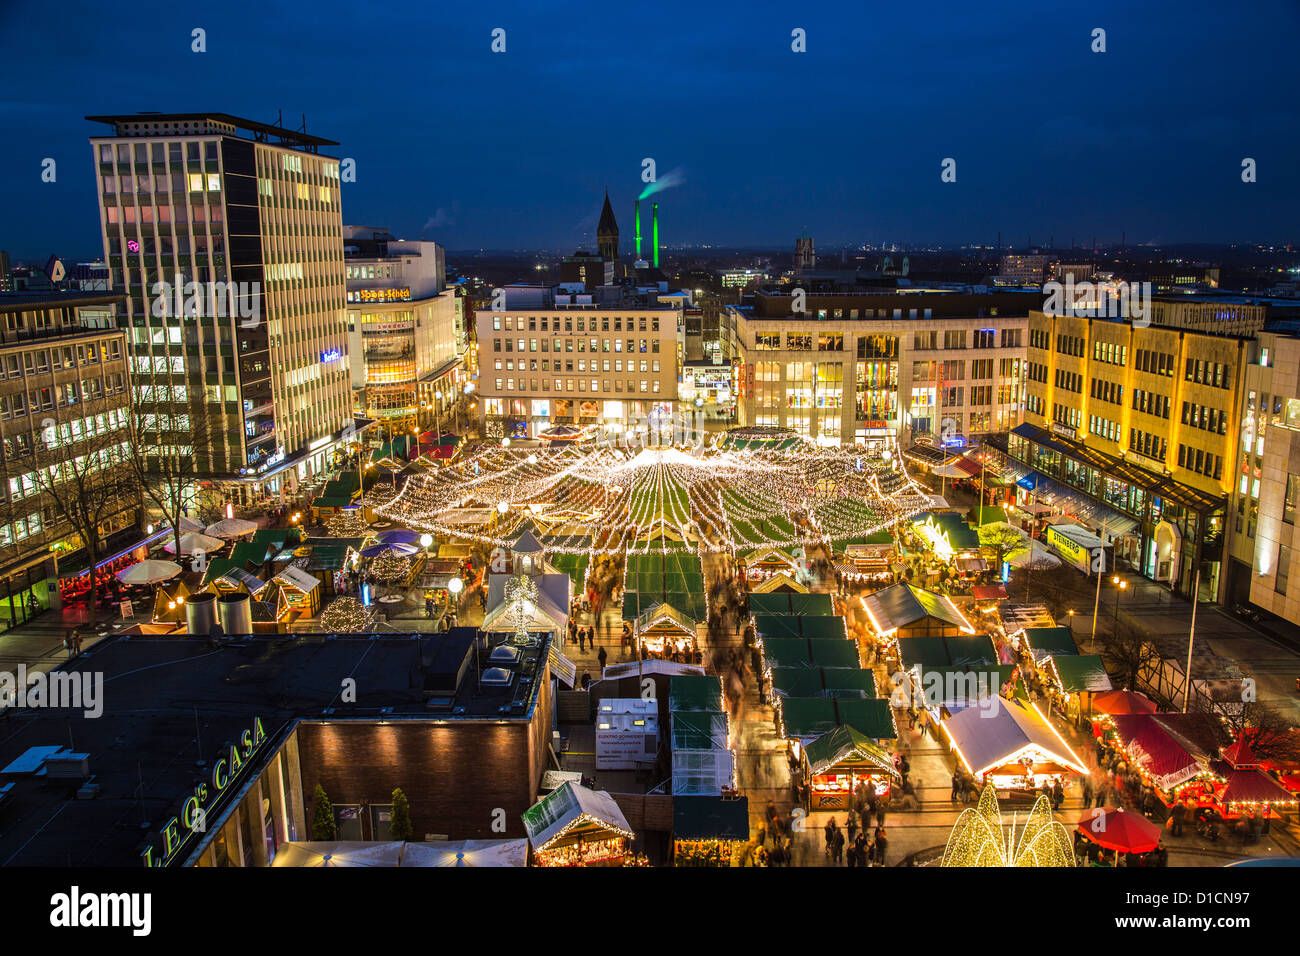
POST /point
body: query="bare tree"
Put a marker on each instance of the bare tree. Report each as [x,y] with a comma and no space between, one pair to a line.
[163,460]
[83,469]
[1126,652]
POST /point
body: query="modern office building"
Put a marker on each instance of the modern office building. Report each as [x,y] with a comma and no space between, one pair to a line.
[64,393]
[881,369]
[402,344]
[225,237]
[1134,430]
[607,357]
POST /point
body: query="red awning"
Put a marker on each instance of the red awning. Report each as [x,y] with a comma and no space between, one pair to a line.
[1240,754]
[988,592]
[972,468]
[1151,748]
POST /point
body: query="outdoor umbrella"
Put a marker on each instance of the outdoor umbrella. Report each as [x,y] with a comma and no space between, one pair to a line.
[1116,829]
[1123,702]
[190,524]
[399,536]
[192,542]
[1035,555]
[375,550]
[232,528]
[149,572]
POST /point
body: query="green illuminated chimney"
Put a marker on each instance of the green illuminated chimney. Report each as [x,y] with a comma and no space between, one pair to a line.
[638,229]
[654,231]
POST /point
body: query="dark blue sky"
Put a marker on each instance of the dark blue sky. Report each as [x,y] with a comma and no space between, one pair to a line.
[458,144]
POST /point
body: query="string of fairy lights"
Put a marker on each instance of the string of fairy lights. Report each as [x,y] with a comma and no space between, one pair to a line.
[610,500]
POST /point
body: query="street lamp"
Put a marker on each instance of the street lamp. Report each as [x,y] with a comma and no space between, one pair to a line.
[455,586]
[426,541]
[1120,586]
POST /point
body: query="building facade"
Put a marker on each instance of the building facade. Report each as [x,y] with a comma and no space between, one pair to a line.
[565,356]
[1134,429]
[225,237]
[65,392]
[881,369]
[402,342]
[1265,546]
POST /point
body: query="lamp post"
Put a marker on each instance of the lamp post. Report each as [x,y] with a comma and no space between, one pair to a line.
[1120,587]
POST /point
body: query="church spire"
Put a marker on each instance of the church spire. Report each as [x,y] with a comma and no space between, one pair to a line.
[607,232]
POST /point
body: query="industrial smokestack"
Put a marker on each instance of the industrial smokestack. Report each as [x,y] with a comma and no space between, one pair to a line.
[638,229]
[654,231]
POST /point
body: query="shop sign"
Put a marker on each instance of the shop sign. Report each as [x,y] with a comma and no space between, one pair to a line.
[228,770]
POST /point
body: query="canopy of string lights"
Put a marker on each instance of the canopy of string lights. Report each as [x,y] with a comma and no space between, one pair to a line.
[608,500]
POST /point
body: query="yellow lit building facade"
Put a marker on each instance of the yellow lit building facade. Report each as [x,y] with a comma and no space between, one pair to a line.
[1134,429]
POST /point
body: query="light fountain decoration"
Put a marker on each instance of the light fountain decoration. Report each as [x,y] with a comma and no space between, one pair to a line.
[521,596]
[980,837]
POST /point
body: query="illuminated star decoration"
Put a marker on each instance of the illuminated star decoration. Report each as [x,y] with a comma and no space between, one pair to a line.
[979,837]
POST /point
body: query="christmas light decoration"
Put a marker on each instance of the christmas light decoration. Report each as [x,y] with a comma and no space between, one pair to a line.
[390,567]
[349,523]
[980,837]
[347,615]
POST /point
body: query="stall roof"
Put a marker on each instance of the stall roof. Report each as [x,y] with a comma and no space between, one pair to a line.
[998,731]
[1046,641]
[801,652]
[808,717]
[1167,757]
[569,807]
[1255,787]
[928,652]
[296,577]
[689,692]
[903,604]
[844,745]
[823,681]
[786,603]
[711,818]
[799,625]
[1081,673]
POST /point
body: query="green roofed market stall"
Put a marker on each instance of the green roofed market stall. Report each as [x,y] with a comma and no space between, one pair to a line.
[708,830]
[841,761]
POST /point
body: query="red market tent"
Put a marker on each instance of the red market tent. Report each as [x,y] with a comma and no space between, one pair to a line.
[1155,751]
[1115,702]
[1120,830]
[1247,788]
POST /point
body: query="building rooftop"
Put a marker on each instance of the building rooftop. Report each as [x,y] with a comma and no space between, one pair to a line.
[136,124]
[170,702]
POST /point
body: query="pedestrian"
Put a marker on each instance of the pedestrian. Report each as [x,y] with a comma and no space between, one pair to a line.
[851,824]
[837,848]
[1087,791]
[830,834]
[582,638]
[882,845]
[880,815]
[1178,815]
[1058,794]
[602,656]
[956,786]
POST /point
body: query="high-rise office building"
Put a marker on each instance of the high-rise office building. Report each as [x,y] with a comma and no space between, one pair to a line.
[225,236]
[406,369]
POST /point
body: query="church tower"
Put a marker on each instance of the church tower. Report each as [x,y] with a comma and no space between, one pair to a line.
[607,233]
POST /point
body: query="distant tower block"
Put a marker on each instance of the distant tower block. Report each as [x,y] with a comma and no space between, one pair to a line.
[805,257]
[607,232]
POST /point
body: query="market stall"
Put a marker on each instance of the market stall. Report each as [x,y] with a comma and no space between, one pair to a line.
[708,830]
[576,826]
[906,611]
[1011,745]
[299,592]
[840,761]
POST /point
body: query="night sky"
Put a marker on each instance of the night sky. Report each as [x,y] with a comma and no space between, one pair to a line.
[514,150]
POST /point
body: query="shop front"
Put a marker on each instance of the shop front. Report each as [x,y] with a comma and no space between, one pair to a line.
[1175,529]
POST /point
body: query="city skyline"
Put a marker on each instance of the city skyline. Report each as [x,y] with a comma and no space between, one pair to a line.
[1051,140]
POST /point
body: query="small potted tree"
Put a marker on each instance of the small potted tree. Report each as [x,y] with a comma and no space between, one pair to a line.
[323,824]
[399,827]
